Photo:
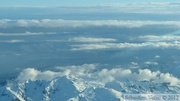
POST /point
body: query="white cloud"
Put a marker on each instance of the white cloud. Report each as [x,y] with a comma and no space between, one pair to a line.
[139,7]
[48,23]
[161,38]
[12,41]
[96,46]
[146,7]
[151,41]
[150,63]
[134,63]
[91,39]
[157,56]
[26,33]
[33,74]
[149,37]
[148,75]
[91,73]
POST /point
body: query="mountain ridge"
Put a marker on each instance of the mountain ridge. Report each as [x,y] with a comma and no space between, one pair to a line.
[73,89]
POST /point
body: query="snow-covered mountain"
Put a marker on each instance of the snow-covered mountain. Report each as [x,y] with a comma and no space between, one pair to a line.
[59,89]
[87,85]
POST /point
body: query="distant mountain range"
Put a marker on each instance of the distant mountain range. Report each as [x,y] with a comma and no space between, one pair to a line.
[73,89]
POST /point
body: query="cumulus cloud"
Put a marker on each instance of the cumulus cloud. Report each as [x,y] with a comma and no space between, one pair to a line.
[33,74]
[48,23]
[91,73]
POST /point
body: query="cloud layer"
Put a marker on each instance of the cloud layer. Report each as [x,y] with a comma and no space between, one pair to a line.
[139,7]
[11,41]
[26,34]
[168,40]
[90,73]
[96,46]
[157,38]
[48,23]
[91,39]
[146,7]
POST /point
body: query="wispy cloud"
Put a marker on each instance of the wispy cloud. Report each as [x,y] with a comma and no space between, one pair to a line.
[48,23]
[97,46]
[145,7]
[91,39]
[11,41]
[139,7]
[160,38]
[171,40]
[150,63]
[26,33]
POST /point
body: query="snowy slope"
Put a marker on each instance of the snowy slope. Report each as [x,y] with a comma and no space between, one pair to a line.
[60,89]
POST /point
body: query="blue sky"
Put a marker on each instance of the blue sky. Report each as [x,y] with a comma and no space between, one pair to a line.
[70,3]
